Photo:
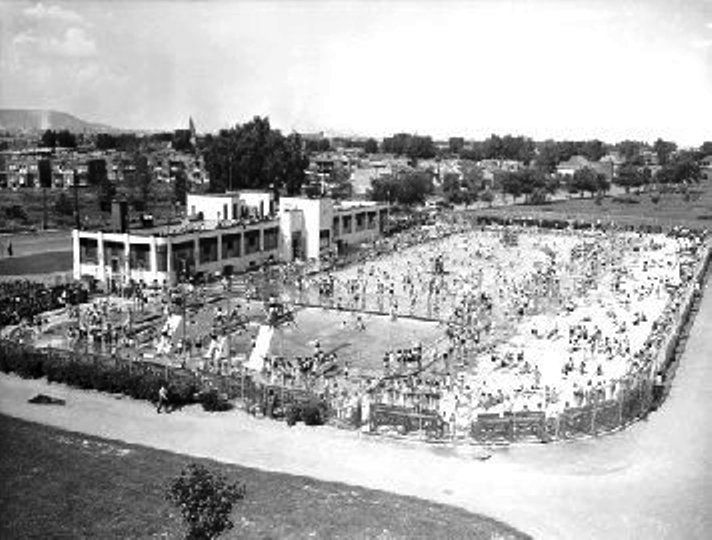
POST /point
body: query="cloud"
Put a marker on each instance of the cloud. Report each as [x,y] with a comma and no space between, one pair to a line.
[54,12]
[74,43]
[701,43]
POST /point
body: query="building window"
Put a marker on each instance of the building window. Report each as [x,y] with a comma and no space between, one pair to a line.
[161,258]
[252,242]
[208,248]
[114,254]
[139,257]
[324,236]
[271,238]
[88,251]
[347,225]
[360,222]
[231,245]
[335,227]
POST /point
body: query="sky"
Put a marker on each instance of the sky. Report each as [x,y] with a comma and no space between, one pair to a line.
[546,69]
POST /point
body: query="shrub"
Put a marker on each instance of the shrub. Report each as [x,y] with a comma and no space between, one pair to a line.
[293,414]
[212,401]
[313,413]
[205,501]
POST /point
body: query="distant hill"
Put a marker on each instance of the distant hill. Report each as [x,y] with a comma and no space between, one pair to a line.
[28,120]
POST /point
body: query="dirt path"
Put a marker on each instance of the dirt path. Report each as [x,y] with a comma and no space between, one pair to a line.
[652,480]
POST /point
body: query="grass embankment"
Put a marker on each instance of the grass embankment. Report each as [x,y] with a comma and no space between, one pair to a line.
[39,263]
[58,484]
[633,209]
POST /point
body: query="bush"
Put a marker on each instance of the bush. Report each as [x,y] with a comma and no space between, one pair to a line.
[212,401]
[138,381]
[313,413]
[293,414]
[205,501]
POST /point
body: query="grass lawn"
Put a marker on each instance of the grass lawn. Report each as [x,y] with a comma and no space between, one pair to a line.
[39,263]
[58,484]
[671,209]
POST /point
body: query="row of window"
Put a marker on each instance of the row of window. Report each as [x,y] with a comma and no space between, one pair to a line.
[139,254]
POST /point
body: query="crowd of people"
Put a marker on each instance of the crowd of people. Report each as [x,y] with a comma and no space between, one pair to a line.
[533,319]
[23,301]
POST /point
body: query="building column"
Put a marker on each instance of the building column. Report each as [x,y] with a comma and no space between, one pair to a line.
[152,258]
[169,262]
[127,257]
[262,239]
[220,257]
[76,255]
[242,243]
[100,256]
[196,252]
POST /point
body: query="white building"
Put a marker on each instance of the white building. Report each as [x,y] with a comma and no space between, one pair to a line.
[224,233]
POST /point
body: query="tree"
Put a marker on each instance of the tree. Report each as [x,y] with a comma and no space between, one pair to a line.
[371,146]
[66,139]
[456,144]
[205,501]
[594,149]
[317,145]
[664,149]
[63,206]
[487,196]
[629,176]
[253,156]
[511,184]
[96,171]
[180,187]
[630,150]
[180,140]
[107,192]
[49,139]
[683,168]
[408,187]
[140,182]
[586,180]
[451,188]
[548,156]
[105,141]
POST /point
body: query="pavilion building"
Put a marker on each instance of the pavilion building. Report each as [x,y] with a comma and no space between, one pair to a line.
[223,233]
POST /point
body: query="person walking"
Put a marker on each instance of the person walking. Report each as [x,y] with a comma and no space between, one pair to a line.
[9,249]
[162,399]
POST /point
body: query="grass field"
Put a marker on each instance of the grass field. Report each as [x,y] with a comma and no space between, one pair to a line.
[57,484]
[671,209]
[39,263]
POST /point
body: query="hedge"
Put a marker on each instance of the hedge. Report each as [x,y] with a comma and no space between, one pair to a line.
[137,381]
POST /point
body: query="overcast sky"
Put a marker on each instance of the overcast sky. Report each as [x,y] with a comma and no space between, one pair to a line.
[562,69]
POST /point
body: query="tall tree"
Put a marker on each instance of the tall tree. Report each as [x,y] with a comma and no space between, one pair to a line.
[371,146]
[180,187]
[629,176]
[253,156]
[96,171]
[664,149]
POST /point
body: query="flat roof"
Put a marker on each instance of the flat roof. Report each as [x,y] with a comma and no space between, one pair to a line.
[179,229]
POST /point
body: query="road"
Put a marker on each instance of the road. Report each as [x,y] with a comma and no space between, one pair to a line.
[652,480]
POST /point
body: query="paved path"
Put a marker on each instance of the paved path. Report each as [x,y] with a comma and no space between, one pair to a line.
[653,480]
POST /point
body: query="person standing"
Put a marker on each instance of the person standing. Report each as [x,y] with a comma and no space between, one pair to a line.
[9,249]
[162,399]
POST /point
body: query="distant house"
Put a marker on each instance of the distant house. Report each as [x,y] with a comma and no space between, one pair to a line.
[576,163]
[706,167]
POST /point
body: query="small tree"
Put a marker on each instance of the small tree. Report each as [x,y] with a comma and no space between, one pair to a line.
[205,501]
[488,197]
